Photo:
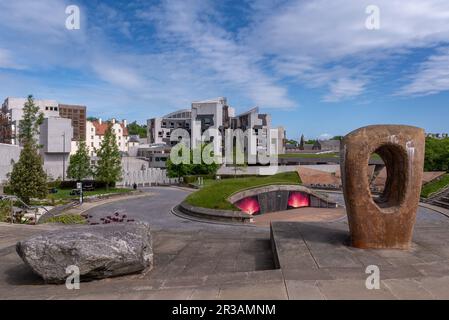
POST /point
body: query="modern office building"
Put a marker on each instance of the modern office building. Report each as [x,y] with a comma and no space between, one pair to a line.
[155,154]
[216,114]
[77,114]
[12,108]
[5,129]
[56,135]
[160,129]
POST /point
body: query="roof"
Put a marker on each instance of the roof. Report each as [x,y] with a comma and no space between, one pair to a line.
[100,128]
[215,100]
[252,110]
[170,115]
[329,143]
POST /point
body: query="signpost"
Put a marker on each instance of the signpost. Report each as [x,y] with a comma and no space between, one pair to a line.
[79,186]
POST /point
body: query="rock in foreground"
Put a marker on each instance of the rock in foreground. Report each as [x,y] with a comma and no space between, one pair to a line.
[98,251]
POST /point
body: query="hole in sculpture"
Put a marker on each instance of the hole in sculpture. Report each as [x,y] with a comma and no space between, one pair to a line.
[391,179]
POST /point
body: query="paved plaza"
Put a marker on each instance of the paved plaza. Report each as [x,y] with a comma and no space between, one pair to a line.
[197,260]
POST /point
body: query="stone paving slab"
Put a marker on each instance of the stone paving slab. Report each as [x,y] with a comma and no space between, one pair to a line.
[350,289]
[304,290]
[202,261]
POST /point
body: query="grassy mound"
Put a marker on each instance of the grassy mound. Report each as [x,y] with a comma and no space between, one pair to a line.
[215,192]
[67,219]
[435,186]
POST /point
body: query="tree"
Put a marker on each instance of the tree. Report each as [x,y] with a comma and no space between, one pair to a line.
[135,129]
[436,154]
[28,178]
[201,167]
[79,166]
[177,170]
[301,143]
[30,123]
[109,167]
[191,168]
[337,138]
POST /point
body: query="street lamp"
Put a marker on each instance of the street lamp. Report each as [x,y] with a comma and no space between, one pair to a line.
[63,156]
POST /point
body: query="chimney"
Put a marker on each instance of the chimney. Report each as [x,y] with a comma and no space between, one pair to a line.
[100,121]
[125,123]
[113,120]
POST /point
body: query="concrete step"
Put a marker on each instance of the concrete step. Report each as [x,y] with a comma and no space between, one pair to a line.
[440,204]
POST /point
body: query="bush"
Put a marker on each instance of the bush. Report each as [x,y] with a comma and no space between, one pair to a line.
[5,211]
[194,178]
[71,184]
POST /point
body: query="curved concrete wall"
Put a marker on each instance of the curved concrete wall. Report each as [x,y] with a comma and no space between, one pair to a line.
[275,197]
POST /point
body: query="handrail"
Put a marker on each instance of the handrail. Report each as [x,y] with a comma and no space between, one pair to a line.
[27,207]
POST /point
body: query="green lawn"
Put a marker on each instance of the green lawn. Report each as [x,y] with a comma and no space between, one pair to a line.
[215,192]
[63,196]
[65,193]
[434,186]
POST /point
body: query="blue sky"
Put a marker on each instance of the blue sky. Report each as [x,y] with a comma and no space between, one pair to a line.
[312,64]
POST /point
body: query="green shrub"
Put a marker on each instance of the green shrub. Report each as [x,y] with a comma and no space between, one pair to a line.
[5,211]
[194,178]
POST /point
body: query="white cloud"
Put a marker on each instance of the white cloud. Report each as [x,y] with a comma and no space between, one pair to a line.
[306,38]
[7,60]
[185,23]
[432,77]
[325,136]
[316,44]
[344,88]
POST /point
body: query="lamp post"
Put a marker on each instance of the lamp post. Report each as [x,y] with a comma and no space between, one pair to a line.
[63,156]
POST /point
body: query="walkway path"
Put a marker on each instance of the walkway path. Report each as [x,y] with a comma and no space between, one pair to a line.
[210,261]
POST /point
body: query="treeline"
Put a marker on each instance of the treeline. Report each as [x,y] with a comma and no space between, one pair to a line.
[437,154]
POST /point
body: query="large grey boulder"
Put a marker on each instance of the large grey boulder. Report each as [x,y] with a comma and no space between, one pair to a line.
[98,251]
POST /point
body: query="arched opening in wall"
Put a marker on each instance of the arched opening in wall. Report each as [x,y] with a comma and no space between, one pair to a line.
[389,183]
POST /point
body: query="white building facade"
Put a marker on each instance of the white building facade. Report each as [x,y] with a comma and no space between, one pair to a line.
[13,108]
[95,131]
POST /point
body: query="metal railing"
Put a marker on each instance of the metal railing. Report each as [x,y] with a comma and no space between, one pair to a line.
[27,207]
